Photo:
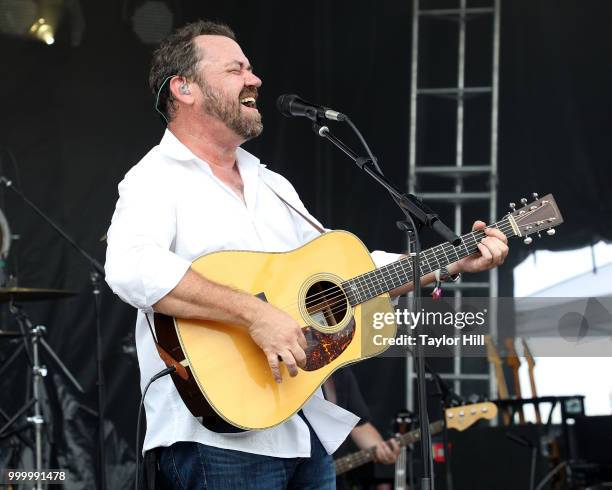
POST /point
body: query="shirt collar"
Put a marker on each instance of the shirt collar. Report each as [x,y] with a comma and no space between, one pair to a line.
[173,148]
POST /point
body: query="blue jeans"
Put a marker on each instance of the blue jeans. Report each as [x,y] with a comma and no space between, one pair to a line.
[194,466]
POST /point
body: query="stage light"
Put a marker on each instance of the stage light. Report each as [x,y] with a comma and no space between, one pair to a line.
[43,31]
[40,19]
[152,20]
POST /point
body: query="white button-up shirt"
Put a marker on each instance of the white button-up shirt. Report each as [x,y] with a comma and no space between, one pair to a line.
[171,210]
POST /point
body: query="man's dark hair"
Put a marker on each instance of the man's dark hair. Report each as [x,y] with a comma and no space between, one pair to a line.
[178,55]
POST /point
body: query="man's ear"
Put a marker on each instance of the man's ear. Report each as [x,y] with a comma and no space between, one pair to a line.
[180,88]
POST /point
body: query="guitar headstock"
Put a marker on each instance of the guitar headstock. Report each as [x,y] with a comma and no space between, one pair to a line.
[542,214]
[512,358]
[527,354]
[403,422]
[460,418]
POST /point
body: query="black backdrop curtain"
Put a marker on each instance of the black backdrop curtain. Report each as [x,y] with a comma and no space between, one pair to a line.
[77,118]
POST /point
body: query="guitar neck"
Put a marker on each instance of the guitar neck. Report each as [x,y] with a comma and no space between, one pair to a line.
[534,391]
[359,458]
[502,388]
[400,470]
[382,280]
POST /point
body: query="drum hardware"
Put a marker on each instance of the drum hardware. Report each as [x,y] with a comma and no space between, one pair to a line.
[33,343]
[32,294]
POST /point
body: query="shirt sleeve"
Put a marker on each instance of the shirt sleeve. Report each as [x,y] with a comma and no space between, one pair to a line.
[382,258]
[140,266]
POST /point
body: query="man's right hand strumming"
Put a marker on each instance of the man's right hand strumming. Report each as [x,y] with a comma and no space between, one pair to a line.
[280,337]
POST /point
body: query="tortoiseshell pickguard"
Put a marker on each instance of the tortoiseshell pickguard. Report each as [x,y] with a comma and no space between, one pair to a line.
[323,348]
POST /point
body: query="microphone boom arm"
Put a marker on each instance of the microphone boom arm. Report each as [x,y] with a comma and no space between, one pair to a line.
[409,203]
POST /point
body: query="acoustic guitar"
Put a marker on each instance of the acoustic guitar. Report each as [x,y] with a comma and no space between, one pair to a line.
[458,418]
[331,286]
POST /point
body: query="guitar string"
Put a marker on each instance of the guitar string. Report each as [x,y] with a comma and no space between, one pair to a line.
[341,297]
[507,227]
[354,460]
[503,225]
[337,306]
[339,293]
[392,267]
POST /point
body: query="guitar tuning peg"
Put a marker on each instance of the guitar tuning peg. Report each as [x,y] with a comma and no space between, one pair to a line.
[513,206]
[528,240]
[551,232]
[523,200]
[535,195]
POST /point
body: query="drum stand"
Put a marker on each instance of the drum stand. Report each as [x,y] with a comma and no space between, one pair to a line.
[38,372]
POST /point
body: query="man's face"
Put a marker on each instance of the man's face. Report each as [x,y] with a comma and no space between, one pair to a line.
[228,85]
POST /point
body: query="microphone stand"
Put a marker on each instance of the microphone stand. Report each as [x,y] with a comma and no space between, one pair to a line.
[417,216]
[446,396]
[97,272]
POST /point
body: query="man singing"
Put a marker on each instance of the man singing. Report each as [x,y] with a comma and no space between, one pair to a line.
[198,192]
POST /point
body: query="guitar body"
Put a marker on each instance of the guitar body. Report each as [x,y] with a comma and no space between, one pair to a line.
[228,381]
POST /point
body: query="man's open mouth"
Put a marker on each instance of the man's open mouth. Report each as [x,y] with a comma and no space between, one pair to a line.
[249,102]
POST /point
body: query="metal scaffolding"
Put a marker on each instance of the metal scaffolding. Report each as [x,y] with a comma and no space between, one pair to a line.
[458,172]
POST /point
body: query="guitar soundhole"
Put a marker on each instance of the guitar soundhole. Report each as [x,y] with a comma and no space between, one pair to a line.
[326,304]
[328,307]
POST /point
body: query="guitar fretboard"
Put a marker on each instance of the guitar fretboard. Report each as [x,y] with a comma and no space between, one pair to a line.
[366,286]
[347,463]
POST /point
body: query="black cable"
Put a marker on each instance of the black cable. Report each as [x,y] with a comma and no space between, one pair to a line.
[552,473]
[364,143]
[161,374]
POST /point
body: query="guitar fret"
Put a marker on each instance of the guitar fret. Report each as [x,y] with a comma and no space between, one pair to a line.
[407,273]
[436,257]
[397,270]
[424,255]
[456,252]
[347,463]
[357,286]
[384,279]
[444,249]
[362,287]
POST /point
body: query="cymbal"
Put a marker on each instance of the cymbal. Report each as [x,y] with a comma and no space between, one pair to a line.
[10,334]
[33,294]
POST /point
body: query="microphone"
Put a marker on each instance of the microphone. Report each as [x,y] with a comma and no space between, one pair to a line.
[292,105]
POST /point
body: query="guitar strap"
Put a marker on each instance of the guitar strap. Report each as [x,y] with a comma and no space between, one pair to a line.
[165,356]
[290,206]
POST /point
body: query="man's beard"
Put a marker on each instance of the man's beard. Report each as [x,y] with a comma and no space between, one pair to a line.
[229,111]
